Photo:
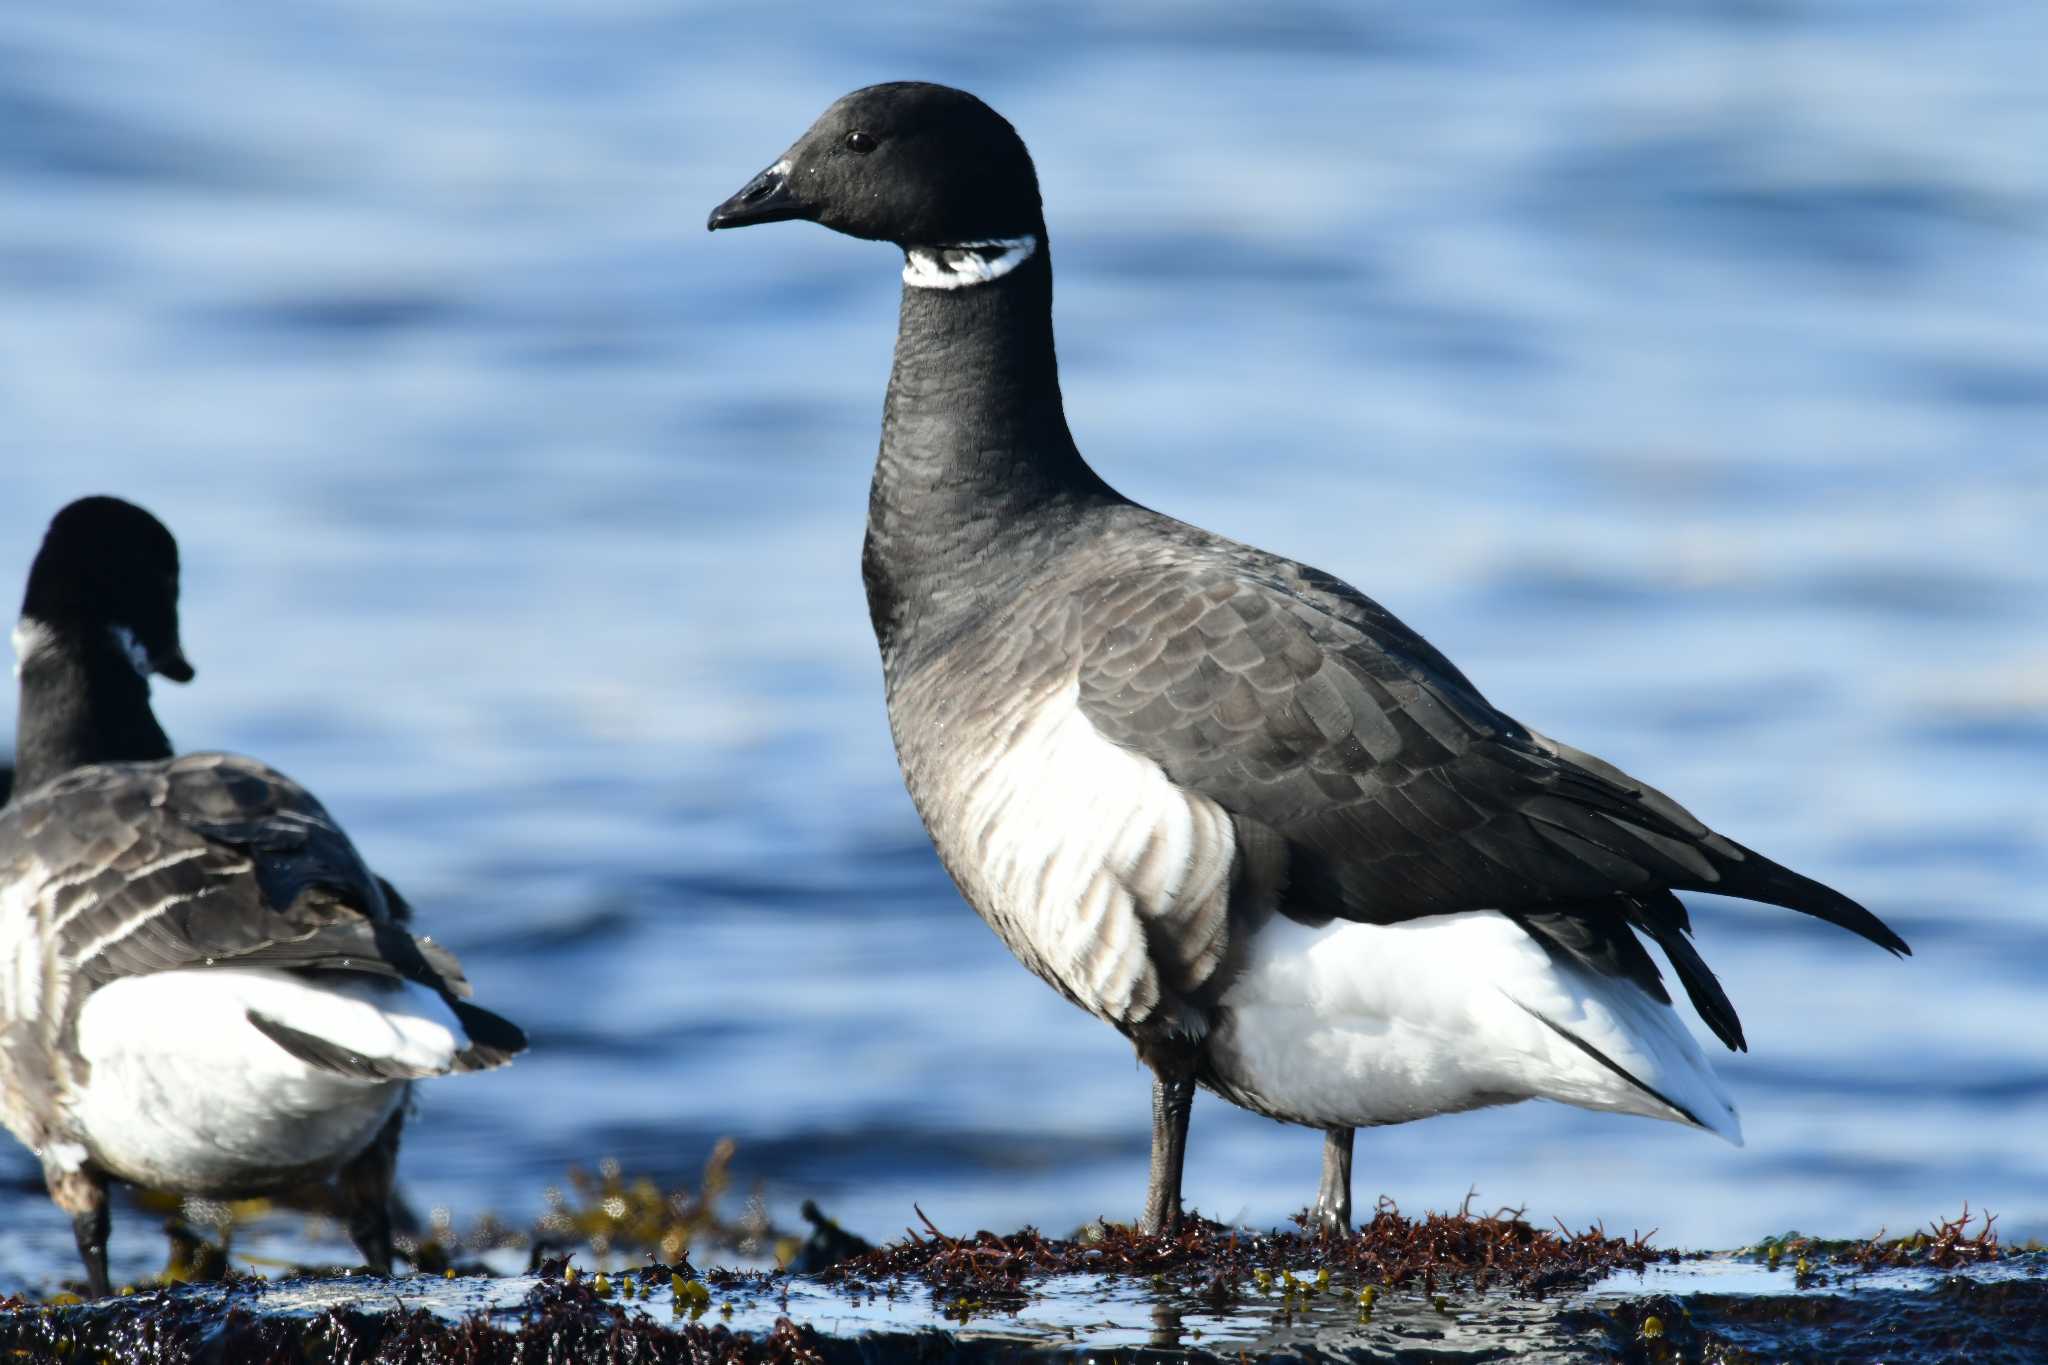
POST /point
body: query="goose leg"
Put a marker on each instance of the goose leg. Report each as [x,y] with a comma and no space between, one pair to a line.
[366,1195]
[83,1195]
[1333,1200]
[1172,1098]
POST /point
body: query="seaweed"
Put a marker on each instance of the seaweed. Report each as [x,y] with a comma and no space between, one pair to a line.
[1944,1246]
[1393,1251]
[611,1213]
[1393,1276]
[606,1212]
[565,1320]
[1293,1280]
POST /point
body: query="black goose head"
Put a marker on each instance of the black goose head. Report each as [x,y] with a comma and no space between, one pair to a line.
[911,163]
[109,569]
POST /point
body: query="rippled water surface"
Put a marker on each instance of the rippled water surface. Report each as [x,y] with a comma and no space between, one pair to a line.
[1677,369]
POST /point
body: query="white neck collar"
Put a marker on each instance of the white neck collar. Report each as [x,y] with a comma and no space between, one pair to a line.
[958,265]
[31,637]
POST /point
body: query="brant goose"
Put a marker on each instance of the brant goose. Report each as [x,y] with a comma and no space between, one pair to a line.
[1219,799]
[203,989]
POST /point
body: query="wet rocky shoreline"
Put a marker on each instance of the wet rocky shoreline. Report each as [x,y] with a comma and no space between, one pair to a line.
[1442,1288]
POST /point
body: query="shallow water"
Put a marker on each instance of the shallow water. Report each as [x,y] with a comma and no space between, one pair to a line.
[1678,372]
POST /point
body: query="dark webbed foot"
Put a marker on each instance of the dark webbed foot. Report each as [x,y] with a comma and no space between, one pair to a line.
[1332,1212]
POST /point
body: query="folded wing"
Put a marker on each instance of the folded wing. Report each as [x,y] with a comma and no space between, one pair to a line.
[215,860]
[1296,703]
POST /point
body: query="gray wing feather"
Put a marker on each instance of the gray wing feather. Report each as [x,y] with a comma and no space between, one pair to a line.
[1293,701]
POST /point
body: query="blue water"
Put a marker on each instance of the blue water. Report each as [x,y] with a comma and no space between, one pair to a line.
[1678,369]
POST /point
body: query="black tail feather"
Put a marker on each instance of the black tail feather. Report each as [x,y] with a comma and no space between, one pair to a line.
[1601,935]
[1596,935]
[1669,927]
[1616,818]
[1751,876]
[333,1057]
[493,1039]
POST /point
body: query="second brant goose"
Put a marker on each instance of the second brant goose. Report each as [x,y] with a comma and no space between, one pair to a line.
[203,989]
[1219,799]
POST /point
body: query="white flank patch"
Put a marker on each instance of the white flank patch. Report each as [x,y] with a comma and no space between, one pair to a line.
[31,637]
[128,644]
[1362,1024]
[185,1093]
[961,264]
[1072,844]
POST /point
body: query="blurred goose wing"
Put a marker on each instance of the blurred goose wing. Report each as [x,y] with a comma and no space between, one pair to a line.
[138,868]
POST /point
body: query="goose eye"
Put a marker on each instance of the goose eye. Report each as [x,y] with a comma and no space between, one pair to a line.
[860,142]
